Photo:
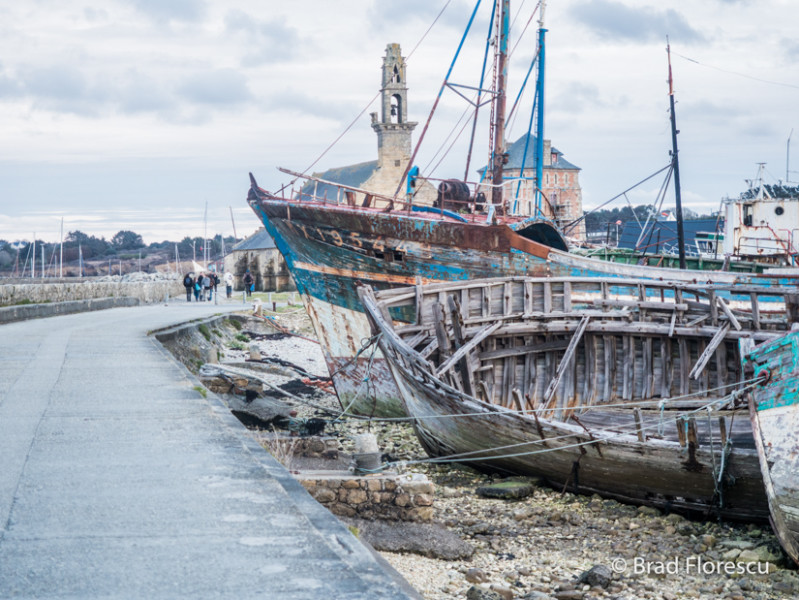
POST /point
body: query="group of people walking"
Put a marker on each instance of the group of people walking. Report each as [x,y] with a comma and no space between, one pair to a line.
[204,286]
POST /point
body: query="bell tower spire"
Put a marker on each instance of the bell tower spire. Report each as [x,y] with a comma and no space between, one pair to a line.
[393,129]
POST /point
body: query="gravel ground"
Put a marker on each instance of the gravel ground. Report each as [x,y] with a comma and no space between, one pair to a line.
[539,546]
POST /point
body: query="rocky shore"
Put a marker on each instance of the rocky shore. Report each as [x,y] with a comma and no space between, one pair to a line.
[553,545]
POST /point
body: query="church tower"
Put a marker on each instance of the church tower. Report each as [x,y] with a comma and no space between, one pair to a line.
[393,129]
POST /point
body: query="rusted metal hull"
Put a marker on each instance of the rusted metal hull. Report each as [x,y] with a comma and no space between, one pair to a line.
[329,249]
[774,412]
[619,387]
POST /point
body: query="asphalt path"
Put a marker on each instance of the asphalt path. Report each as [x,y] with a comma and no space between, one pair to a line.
[119,480]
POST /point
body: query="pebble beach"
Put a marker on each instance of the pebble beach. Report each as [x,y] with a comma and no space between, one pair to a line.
[545,544]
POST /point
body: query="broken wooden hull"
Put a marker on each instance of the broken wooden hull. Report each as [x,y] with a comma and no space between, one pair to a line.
[774,412]
[330,248]
[621,387]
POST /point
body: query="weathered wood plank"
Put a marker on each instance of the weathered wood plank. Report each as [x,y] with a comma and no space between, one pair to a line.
[709,351]
[442,336]
[728,312]
[468,346]
[523,350]
[553,385]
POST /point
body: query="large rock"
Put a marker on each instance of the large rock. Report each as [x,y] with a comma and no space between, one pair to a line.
[598,575]
[427,539]
[477,593]
[259,412]
[508,489]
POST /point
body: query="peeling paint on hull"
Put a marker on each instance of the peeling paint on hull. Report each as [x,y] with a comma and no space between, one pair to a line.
[774,412]
[329,249]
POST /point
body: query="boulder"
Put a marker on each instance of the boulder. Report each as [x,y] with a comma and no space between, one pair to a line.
[508,489]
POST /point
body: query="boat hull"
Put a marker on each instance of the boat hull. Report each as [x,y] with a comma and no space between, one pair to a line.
[330,249]
[774,412]
[654,472]
[594,393]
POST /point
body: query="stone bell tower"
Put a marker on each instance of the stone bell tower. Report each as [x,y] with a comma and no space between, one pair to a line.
[393,129]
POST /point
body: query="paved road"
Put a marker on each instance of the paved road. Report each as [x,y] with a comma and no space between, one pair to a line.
[118,480]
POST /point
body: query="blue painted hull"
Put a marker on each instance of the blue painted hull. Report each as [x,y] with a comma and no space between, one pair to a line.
[330,249]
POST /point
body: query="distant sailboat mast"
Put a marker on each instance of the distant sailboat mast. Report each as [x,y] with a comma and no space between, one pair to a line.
[676,167]
[499,107]
[539,100]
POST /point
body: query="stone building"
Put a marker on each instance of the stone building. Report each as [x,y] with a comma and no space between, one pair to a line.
[260,255]
[394,146]
[562,195]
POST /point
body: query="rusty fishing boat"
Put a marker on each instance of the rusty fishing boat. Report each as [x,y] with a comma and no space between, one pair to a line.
[334,235]
[774,412]
[631,389]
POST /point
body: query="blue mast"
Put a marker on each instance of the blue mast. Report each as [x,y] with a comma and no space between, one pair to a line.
[539,96]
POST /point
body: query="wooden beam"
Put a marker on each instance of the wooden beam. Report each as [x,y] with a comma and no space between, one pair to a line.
[467,347]
[701,363]
[727,312]
[441,331]
[567,356]
[457,331]
[524,350]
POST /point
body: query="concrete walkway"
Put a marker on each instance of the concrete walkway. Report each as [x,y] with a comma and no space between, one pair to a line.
[119,480]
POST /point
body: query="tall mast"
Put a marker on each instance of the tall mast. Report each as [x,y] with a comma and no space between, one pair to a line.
[676,166]
[499,115]
[61,252]
[539,98]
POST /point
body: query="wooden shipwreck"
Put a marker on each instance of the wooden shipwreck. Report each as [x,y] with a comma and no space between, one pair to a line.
[774,411]
[627,388]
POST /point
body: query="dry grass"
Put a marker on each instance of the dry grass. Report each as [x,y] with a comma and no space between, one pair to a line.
[280,446]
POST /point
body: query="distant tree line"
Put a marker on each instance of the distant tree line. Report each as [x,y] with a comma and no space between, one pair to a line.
[124,244]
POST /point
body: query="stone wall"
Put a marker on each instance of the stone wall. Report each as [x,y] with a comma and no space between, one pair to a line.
[21,301]
[267,266]
[35,293]
[384,496]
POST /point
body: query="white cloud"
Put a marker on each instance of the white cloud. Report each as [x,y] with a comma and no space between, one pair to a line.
[142,105]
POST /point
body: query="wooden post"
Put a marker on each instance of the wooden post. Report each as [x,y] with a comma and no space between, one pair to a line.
[638,426]
[441,332]
[457,331]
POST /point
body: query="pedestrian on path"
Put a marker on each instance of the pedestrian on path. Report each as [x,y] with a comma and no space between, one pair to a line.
[198,286]
[188,283]
[206,287]
[249,283]
[229,284]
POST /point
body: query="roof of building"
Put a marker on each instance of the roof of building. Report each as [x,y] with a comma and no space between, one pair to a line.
[663,236]
[516,153]
[351,175]
[260,240]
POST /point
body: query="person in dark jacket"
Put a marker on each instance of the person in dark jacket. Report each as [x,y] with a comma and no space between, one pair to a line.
[188,283]
[249,283]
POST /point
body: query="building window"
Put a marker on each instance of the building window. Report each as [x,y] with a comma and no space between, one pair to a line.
[747,215]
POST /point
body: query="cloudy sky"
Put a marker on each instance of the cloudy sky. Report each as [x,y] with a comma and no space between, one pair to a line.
[133,114]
